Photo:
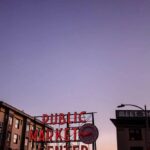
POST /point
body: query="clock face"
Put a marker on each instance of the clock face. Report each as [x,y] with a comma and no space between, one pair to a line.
[88,133]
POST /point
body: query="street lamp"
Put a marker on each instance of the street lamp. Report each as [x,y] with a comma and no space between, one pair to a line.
[146,120]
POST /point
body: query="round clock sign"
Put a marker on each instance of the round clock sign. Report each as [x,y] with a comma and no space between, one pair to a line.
[88,133]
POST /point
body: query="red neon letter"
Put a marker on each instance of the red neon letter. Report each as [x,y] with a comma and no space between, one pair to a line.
[75,133]
[67,134]
[45,118]
[53,119]
[80,116]
[41,137]
[49,134]
[58,134]
[62,118]
[75,146]
[83,147]
[67,147]
[56,148]
[49,147]
[68,118]
[75,117]
[33,136]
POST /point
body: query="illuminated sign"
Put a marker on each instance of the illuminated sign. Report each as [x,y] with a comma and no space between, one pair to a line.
[131,113]
[61,119]
[66,128]
[88,133]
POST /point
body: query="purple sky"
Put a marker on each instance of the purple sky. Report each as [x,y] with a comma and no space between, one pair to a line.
[74,55]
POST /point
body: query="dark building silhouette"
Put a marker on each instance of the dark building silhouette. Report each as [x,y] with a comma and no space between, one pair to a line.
[14,129]
[133,129]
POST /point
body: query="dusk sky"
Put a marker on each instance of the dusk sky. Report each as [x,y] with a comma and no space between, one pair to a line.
[74,55]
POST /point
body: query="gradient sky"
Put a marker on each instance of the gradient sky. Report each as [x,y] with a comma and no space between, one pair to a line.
[74,55]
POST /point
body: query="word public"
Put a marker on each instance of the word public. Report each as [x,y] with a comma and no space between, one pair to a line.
[63,119]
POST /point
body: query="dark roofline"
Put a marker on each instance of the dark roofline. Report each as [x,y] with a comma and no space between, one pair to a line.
[22,113]
[15,110]
[128,122]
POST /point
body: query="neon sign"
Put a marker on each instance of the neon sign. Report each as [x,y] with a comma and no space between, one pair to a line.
[65,133]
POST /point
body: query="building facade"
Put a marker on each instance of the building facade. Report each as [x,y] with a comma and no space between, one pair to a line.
[14,129]
[133,129]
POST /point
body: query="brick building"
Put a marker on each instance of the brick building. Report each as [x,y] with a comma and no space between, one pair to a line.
[133,129]
[14,129]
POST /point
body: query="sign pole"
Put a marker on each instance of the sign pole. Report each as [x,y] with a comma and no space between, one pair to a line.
[68,143]
[94,143]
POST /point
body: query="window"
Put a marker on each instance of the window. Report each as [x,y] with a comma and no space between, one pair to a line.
[8,136]
[0,137]
[136,148]
[17,123]
[10,120]
[32,127]
[26,141]
[32,144]
[1,124]
[135,134]
[15,140]
[37,146]
[38,129]
[1,130]
[27,127]
[21,122]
